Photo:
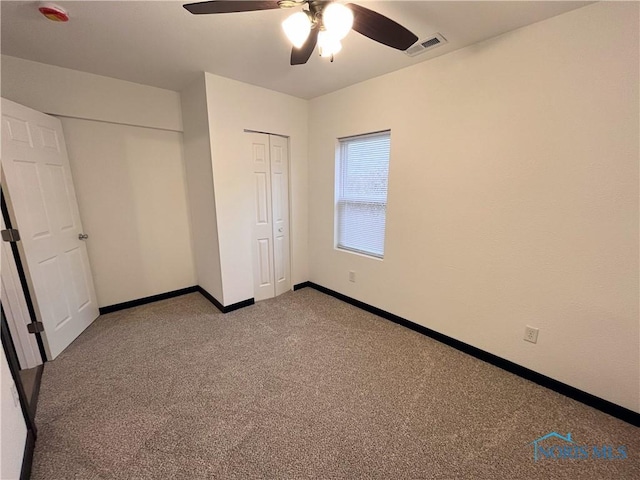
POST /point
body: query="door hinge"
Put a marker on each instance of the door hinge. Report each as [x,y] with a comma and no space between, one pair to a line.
[35,327]
[10,235]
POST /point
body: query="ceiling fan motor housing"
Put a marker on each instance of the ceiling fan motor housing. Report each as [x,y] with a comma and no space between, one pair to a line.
[290,3]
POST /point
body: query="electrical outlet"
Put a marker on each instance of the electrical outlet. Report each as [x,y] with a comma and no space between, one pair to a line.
[352,276]
[531,334]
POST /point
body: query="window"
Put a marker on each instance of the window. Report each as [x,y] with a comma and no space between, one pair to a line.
[361,193]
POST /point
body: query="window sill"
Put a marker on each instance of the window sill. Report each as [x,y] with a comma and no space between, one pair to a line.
[359,253]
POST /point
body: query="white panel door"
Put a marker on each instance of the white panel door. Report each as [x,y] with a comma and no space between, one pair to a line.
[280,208]
[38,180]
[271,260]
[263,275]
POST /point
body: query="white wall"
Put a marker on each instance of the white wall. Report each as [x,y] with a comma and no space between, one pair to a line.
[513,196]
[233,107]
[197,151]
[131,191]
[61,91]
[13,430]
[125,148]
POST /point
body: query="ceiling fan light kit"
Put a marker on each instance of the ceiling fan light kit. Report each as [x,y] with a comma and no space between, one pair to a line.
[324,24]
[328,44]
[297,28]
[337,20]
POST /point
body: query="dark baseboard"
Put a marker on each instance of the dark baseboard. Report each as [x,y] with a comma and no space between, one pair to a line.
[301,285]
[235,306]
[177,293]
[33,401]
[27,458]
[588,399]
[211,298]
[144,301]
[222,308]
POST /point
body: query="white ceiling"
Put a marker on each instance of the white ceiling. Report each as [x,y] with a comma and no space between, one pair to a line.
[161,44]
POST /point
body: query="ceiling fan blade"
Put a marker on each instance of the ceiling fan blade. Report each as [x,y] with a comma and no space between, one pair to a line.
[380,28]
[300,56]
[229,6]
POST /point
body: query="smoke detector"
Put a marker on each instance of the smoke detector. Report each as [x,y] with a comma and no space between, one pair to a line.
[53,12]
[426,44]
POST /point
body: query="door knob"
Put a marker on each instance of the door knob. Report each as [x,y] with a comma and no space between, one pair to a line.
[83,236]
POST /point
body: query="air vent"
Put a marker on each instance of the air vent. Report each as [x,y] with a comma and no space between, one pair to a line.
[426,44]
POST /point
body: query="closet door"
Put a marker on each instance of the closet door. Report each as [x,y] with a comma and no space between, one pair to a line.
[271,258]
[280,208]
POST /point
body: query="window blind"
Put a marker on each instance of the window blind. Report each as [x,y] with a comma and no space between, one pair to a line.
[362,193]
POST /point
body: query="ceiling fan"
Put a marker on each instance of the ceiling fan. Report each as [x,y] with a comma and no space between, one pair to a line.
[325,23]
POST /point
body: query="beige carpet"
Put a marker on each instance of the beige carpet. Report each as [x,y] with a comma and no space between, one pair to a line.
[301,386]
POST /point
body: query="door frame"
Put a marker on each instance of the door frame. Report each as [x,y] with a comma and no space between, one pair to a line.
[22,277]
[28,413]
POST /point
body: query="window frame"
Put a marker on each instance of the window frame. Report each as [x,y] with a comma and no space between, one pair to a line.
[339,197]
